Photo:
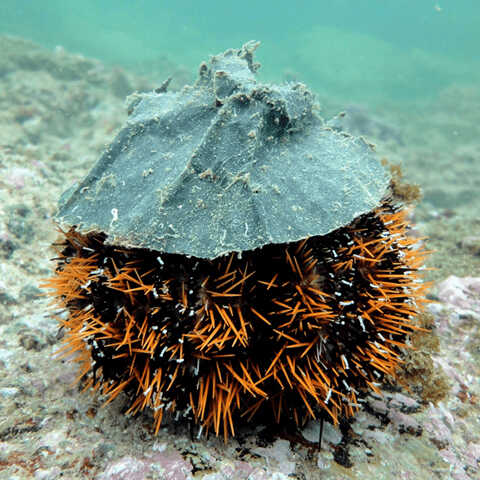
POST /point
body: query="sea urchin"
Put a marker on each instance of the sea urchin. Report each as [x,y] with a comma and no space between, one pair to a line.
[265,268]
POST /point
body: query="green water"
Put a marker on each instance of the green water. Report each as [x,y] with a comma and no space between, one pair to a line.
[367,51]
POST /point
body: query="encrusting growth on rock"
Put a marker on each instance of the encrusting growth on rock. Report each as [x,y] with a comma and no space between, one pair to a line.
[295,330]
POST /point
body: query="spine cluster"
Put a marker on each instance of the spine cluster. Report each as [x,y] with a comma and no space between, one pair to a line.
[298,330]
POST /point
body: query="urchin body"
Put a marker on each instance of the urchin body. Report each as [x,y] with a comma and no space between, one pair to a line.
[231,254]
[300,330]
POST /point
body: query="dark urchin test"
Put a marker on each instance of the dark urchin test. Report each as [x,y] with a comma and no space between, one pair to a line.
[231,257]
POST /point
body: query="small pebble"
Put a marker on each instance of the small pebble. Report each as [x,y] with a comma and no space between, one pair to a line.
[9,392]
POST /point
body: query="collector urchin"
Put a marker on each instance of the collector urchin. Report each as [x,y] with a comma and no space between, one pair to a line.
[231,256]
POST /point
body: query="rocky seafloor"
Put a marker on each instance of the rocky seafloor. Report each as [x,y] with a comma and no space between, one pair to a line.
[58,111]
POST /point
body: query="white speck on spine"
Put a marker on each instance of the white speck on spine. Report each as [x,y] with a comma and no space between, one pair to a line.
[147,391]
[327,398]
[360,319]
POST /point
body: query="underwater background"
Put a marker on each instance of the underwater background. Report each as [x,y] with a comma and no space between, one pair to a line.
[407,74]
[366,50]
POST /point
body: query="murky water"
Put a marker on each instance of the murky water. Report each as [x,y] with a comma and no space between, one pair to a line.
[359,51]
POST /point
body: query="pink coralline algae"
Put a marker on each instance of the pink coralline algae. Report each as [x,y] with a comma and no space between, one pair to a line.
[168,465]
[461,293]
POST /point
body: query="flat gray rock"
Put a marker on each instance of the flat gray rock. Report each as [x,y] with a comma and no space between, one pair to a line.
[228,164]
